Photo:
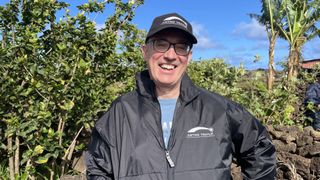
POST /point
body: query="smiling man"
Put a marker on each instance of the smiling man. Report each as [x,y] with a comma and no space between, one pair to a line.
[166,64]
[169,129]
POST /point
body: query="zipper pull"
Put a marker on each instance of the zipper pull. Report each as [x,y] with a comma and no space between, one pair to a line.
[171,163]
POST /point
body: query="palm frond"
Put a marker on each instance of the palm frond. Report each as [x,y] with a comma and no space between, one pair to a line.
[314,34]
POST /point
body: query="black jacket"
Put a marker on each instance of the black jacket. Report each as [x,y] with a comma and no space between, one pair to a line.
[208,131]
[313,94]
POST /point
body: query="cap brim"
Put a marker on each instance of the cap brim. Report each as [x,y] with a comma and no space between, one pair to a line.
[192,38]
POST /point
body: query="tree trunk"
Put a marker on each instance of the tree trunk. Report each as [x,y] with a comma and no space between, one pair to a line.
[68,155]
[11,158]
[4,38]
[271,70]
[296,62]
[30,175]
[17,156]
[60,129]
[297,51]
[52,170]
[291,64]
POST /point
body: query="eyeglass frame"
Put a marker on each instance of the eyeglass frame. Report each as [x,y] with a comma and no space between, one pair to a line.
[170,44]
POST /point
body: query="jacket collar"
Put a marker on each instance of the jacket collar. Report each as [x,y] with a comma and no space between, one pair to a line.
[146,87]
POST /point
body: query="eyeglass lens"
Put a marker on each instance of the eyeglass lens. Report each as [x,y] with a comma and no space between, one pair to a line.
[163,46]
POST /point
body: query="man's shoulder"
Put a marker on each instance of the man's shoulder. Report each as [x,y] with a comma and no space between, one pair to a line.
[314,86]
[128,96]
[117,105]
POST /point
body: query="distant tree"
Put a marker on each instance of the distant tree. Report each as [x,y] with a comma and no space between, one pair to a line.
[270,13]
[298,26]
[294,20]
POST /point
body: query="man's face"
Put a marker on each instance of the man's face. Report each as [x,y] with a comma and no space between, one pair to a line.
[166,68]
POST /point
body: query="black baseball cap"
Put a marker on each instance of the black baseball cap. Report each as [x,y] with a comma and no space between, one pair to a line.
[171,20]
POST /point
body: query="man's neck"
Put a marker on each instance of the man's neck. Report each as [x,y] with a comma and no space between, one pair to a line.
[168,92]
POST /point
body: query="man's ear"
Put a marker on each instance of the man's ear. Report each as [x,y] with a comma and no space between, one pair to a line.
[144,51]
[189,56]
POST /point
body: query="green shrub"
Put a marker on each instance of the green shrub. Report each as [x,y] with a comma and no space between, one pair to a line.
[282,105]
[57,77]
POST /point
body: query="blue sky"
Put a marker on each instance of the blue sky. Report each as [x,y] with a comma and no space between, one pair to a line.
[223,28]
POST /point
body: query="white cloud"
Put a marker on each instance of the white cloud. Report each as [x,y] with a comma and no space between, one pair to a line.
[202,35]
[252,30]
[99,26]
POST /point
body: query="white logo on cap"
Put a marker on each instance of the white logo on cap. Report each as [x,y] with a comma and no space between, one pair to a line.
[173,20]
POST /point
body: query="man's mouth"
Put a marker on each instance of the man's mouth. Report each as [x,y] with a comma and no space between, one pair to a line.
[168,66]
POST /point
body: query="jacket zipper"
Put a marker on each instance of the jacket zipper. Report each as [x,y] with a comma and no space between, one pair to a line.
[171,163]
[170,166]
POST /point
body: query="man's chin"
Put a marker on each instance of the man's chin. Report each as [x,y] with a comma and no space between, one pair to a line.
[166,84]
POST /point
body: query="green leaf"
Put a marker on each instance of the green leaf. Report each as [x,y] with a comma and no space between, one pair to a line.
[67,105]
[38,150]
[83,64]
[51,132]
[24,176]
[26,92]
[61,46]
[42,160]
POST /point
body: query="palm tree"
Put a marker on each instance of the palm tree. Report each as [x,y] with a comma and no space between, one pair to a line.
[270,14]
[299,25]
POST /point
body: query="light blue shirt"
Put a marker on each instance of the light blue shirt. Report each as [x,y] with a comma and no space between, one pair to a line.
[167,111]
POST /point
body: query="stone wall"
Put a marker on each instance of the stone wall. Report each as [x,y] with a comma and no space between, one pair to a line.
[298,152]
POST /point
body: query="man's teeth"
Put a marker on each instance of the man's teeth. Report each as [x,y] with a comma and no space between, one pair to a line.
[167,66]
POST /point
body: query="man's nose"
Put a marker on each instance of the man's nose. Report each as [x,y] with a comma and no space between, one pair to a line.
[171,53]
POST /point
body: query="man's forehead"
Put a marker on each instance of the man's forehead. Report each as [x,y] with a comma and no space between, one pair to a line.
[171,34]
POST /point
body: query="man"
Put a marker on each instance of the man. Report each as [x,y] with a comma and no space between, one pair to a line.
[313,96]
[135,140]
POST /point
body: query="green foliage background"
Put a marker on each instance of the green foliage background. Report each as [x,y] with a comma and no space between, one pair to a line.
[283,105]
[59,76]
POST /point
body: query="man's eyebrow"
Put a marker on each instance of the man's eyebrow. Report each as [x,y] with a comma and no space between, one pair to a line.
[180,41]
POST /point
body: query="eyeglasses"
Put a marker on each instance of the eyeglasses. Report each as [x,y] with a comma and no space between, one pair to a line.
[163,46]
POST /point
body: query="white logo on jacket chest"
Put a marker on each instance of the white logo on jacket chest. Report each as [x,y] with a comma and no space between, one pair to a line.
[200,132]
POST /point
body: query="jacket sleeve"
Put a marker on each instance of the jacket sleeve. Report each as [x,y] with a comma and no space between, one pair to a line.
[98,159]
[253,148]
[101,148]
[311,95]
